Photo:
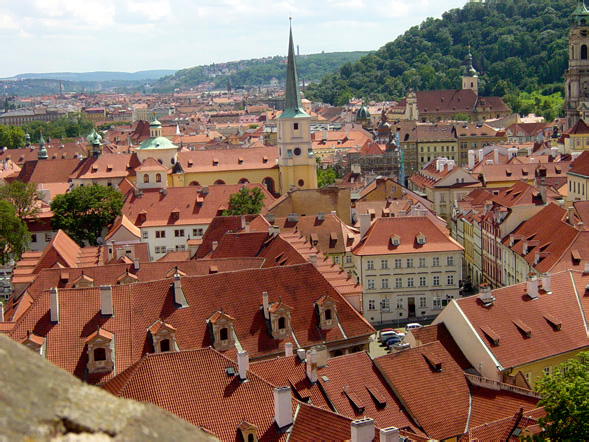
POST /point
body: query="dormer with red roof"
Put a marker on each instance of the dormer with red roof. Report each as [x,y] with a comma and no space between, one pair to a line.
[280,320]
[34,342]
[163,336]
[222,331]
[100,351]
[327,312]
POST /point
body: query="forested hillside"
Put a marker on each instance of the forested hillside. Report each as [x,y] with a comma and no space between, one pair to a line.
[517,46]
[258,72]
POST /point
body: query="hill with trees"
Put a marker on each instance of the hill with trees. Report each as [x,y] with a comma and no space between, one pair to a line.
[258,71]
[517,46]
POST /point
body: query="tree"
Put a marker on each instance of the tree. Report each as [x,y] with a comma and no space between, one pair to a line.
[325,177]
[14,235]
[85,211]
[565,398]
[23,197]
[245,202]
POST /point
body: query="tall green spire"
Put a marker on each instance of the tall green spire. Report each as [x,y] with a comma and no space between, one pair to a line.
[42,154]
[293,108]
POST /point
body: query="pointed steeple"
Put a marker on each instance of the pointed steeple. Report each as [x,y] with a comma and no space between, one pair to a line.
[293,107]
[469,70]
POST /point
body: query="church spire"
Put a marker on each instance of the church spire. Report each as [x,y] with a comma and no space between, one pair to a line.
[293,107]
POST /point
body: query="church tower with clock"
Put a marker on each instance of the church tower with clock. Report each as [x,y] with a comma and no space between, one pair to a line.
[577,75]
[295,151]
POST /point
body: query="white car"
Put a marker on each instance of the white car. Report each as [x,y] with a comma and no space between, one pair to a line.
[413,325]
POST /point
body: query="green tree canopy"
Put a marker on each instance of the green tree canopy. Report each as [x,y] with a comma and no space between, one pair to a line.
[23,197]
[246,202]
[85,211]
[14,235]
[565,398]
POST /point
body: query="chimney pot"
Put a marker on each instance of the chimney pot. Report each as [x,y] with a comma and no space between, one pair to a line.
[106,308]
[243,364]
[288,349]
[282,407]
[362,430]
[54,304]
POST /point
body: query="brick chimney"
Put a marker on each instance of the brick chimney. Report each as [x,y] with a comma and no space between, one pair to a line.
[54,305]
[243,364]
[532,286]
[311,365]
[288,349]
[362,430]
[390,434]
[547,283]
[106,308]
[282,407]
[265,304]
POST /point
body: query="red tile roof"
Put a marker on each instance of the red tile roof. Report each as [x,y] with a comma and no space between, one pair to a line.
[222,224]
[216,160]
[581,164]
[195,386]
[43,171]
[440,333]
[512,303]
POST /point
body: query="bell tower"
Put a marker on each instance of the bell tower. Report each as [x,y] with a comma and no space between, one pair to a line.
[470,79]
[577,75]
[295,152]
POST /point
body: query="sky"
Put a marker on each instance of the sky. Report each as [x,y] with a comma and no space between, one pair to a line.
[42,36]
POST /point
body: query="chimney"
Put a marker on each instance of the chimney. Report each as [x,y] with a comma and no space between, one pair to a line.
[390,434]
[106,308]
[362,430]
[247,227]
[496,156]
[542,190]
[243,364]
[586,269]
[532,160]
[301,353]
[288,349]
[276,231]
[334,213]
[532,286]
[265,304]
[1,312]
[571,215]
[481,155]
[136,265]
[511,152]
[311,366]
[214,245]
[364,223]
[322,355]
[547,282]
[111,249]
[554,152]
[54,304]
[471,157]
[243,222]
[313,260]
[282,407]
[450,165]
[205,190]
[179,297]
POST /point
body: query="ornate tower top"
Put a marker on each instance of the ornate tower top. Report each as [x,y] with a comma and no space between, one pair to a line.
[293,107]
[469,70]
[42,154]
[581,15]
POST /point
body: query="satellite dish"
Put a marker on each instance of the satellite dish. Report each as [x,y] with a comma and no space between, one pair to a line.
[99,240]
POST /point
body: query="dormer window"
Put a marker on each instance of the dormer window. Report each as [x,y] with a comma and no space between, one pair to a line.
[395,240]
[280,321]
[83,281]
[249,432]
[145,178]
[420,238]
[222,331]
[100,351]
[127,278]
[163,336]
[34,342]
[327,312]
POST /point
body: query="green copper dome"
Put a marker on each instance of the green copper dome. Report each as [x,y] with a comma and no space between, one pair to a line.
[42,154]
[469,70]
[581,14]
[94,137]
[157,143]
[362,113]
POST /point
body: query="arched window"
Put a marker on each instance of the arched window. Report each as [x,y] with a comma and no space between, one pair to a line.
[250,437]
[243,181]
[100,354]
[219,182]
[158,178]
[194,183]
[328,314]
[224,334]
[281,323]
[146,178]
[269,183]
[165,345]
[583,52]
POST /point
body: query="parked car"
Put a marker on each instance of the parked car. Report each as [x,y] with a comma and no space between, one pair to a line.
[386,335]
[393,341]
[413,325]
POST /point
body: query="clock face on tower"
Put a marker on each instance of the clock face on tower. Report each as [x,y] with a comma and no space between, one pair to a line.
[583,32]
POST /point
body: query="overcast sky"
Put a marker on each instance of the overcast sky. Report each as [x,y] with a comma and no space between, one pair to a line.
[135,35]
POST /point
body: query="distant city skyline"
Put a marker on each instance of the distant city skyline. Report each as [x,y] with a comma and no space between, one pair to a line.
[42,36]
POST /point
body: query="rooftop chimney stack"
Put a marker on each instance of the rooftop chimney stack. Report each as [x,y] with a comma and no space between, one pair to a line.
[312,366]
[179,297]
[106,308]
[247,227]
[362,430]
[214,245]
[390,434]
[532,286]
[471,156]
[288,349]
[54,305]
[313,259]
[496,156]
[547,282]
[1,312]
[265,304]
[136,264]
[481,155]
[243,364]
[243,222]
[282,407]
[301,354]
[364,223]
